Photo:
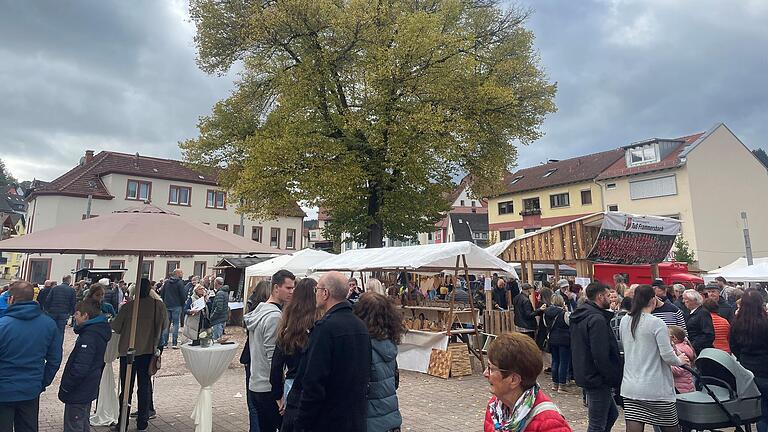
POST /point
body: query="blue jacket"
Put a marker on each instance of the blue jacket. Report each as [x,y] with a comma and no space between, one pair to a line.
[82,374]
[383,410]
[30,352]
[4,302]
[173,293]
[60,300]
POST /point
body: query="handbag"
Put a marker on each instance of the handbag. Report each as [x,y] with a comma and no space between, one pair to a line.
[156,362]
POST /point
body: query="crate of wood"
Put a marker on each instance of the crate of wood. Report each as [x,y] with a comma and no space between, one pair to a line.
[497,322]
[460,363]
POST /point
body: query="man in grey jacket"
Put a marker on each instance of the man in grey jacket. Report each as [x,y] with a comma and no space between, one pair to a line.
[262,324]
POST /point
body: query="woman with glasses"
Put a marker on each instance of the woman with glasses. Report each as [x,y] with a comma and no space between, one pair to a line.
[514,363]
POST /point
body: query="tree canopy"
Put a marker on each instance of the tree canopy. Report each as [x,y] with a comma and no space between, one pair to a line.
[368,108]
[6,179]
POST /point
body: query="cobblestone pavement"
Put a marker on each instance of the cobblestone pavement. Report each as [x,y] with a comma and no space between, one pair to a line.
[426,403]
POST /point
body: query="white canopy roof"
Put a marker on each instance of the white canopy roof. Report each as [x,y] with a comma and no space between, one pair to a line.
[739,263]
[497,249]
[755,273]
[297,263]
[424,258]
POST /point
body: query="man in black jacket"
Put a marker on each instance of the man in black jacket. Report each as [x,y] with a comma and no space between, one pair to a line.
[724,309]
[701,331]
[59,304]
[597,366]
[525,319]
[331,383]
[82,374]
[174,296]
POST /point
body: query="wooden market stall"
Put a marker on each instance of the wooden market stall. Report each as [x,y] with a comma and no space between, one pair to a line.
[610,237]
[451,319]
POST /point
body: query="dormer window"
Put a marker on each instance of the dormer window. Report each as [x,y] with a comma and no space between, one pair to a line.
[642,155]
[516,179]
[549,172]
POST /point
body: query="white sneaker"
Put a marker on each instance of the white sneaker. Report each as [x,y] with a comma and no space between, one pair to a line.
[175,347]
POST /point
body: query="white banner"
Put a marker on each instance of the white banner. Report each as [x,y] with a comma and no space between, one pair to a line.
[416,348]
[641,224]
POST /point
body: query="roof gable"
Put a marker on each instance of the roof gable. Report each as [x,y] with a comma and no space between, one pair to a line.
[671,160]
[574,170]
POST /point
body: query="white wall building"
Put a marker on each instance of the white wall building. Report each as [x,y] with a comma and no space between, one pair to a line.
[116,181]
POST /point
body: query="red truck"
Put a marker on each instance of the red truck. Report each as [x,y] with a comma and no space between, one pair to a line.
[669,272]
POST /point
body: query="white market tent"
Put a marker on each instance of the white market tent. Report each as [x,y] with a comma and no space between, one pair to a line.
[432,258]
[497,249]
[755,273]
[740,263]
[297,263]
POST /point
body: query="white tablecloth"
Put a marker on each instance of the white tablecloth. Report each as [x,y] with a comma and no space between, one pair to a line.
[107,406]
[206,365]
[416,348]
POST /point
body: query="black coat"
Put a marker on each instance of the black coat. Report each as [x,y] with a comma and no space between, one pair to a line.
[525,316]
[701,332]
[559,331]
[173,293]
[331,386]
[82,374]
[500,297]
[595,352]
[60,299]
[725,309]
[753,352]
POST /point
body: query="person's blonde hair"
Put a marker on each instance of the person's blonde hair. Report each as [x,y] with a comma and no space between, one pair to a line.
[374,285]
[557,300]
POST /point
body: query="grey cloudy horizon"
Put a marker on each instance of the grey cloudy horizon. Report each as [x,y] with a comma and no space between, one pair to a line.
[122,76]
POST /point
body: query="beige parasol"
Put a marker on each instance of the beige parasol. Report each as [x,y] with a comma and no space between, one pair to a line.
[143,230]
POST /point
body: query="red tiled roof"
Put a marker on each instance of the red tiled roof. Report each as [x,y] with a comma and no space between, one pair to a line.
[672,160]
[575,170]
[85,179]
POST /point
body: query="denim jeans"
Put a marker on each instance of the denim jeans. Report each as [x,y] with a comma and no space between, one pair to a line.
[602,409]
[174,315]
[218,330]
[253,414]
[561,360]
[762,385]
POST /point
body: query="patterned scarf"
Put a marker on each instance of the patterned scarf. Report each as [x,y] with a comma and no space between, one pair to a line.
[515,419]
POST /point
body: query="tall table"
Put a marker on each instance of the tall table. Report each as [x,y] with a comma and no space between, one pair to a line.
[207,365]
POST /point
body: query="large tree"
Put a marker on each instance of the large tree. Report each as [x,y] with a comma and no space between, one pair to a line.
[367,107]
[6,179]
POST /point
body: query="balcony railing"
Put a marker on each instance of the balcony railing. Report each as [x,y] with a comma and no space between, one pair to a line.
[530,212]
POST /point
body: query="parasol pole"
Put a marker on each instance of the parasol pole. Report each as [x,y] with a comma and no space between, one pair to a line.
[131,349]
[478,341]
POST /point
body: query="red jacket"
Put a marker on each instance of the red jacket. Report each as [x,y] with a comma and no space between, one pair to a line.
[545,421]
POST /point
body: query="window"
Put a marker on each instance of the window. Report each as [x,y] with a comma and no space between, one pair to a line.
[199,269]
[88,264]
[116,264]
[559,200]
[274,237]
[138,190]
[461,203]
[147,268]
[515,180]
[430,236]
[170,266]
[313,234]
[642,155]
[216,199]
[530,230]
[238,230]
[549,172]
[474,204]
[586,197]
[223,227]
[179,195]
[613,207]
[39,270]
[506,207]
[610,186]
[658,187]
[507,235]
[531,204]
[290,238]
[256,234]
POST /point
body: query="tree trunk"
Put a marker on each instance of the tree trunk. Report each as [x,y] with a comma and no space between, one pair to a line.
[376,229]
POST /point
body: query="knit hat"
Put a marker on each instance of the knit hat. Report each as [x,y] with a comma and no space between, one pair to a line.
[658,283]
[712,286]
[562,283]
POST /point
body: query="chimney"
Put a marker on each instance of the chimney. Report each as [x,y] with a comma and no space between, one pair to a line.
[136,161]
[88,156]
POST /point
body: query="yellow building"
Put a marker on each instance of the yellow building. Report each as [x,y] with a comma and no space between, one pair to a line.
[10,265]
[548,194]
[705,180]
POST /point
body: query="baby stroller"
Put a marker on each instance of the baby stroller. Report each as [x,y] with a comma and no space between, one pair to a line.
[727,395]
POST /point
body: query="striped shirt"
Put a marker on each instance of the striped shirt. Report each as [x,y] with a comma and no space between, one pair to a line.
[722,330]
[671,315]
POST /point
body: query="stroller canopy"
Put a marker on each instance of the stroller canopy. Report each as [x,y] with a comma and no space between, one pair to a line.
[721,365]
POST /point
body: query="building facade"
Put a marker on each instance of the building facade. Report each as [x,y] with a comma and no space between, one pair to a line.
[111,181]
[706,180]
[548,194]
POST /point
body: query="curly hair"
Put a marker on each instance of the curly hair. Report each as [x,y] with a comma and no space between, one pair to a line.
[298,317]
[381,317]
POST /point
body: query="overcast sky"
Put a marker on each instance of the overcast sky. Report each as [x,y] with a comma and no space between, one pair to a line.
[109,75]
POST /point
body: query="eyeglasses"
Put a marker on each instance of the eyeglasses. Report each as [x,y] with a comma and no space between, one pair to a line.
[320,288]
[491,368]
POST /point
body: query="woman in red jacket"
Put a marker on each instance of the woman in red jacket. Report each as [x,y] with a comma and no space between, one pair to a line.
[514,363]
